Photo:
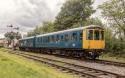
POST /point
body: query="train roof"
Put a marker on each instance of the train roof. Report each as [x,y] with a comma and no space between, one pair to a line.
[27,38]
[68,30]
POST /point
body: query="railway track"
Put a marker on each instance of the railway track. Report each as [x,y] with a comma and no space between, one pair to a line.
[105,62]
[71,68]
[110,63]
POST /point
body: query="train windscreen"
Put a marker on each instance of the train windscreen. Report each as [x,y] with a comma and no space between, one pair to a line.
[96,35]
[90,35]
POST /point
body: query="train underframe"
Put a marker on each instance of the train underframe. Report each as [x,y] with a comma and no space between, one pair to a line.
[77,53]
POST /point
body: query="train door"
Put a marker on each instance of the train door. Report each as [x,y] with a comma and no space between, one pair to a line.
[86,42]
[88,39]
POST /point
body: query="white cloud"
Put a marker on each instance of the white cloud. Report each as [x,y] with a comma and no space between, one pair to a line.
[24,13]
[27,14]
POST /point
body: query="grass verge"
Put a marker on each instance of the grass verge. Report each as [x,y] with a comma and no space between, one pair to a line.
[14,66]
[111,57]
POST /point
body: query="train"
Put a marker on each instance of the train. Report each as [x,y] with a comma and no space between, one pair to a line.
[82,42]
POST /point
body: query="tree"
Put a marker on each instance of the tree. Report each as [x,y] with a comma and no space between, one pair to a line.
[73,12]
[114,12]
[93,21]
[10,36]
[46,27]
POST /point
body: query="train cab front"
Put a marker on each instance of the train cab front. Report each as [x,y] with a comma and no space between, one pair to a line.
[93,41]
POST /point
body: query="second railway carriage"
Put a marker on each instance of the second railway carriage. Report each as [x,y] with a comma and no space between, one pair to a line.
[27,43]
[79,42]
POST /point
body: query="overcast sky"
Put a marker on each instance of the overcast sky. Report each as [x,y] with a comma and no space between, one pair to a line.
[26,14]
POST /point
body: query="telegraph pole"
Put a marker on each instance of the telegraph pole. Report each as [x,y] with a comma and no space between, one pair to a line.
[9,40]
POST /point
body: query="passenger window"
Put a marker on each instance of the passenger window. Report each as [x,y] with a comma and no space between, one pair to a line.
[66,37]
[57,38]
[96,35]
[90,35]
[62,38]
[48,39]
[38,39]
[41,40]
[53,39]
[102,35]
[74,37]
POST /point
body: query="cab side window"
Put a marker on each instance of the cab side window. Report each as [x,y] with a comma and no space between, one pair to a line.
[81,35]
[90,35]
[102,35]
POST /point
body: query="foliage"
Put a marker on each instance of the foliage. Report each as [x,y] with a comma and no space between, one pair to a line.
[73,12]
[45,28]
[12,35]
[94,21]
[114,12]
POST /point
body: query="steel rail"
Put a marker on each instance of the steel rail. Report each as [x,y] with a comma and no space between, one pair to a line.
[92,72]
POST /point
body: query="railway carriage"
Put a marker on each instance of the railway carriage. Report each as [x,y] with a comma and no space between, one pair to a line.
[78,42]
[27,43]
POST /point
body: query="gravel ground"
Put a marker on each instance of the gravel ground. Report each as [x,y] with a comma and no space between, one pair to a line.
[109,68]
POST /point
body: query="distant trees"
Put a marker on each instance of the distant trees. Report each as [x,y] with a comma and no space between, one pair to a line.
[10,36]
[46,27]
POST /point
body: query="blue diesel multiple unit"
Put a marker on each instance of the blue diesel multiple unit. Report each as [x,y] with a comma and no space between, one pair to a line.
[78,42]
